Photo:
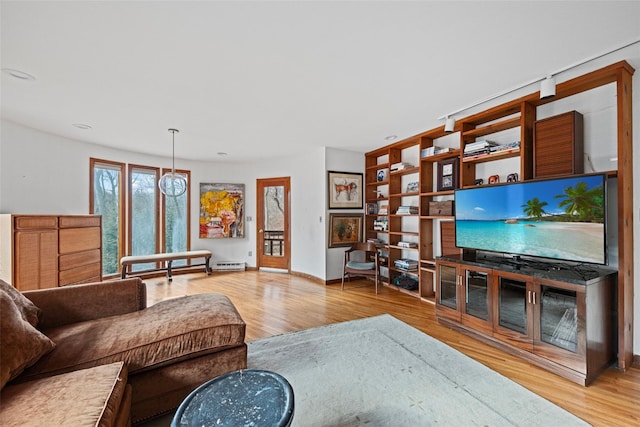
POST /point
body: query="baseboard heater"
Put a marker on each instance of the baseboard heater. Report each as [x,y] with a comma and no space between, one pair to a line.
[228,266]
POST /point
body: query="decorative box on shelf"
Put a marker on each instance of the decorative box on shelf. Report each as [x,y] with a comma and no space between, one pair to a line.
[441,208]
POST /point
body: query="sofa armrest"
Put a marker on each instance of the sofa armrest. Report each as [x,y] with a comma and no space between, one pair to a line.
[78,303]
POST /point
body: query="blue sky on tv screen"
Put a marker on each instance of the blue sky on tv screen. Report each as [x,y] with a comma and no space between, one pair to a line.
[505,201]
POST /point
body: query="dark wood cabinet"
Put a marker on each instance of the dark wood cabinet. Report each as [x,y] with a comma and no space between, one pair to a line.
[558,145]
[564,324]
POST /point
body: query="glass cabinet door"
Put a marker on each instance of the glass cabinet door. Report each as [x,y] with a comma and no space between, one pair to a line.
[447,286]
[559,317]
[477,294]
[512,305]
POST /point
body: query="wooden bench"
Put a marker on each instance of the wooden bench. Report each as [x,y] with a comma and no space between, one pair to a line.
[128,261]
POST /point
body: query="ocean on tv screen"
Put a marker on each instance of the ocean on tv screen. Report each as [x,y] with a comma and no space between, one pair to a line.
[559,219]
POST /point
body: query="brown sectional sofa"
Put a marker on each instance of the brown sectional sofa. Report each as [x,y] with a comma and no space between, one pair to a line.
[119,360]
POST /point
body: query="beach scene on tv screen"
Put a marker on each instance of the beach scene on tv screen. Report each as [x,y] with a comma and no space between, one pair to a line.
[560,219]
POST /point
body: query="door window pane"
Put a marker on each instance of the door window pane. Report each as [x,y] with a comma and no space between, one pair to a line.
[512,305]
[274,221]
[559,318]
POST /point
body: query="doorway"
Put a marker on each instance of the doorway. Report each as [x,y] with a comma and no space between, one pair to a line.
[272,222]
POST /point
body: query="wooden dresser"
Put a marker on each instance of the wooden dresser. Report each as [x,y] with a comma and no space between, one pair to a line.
[46,251]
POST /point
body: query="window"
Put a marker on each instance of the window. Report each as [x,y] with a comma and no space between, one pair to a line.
[143,213]
[176,221]
[106,198]
[153,222]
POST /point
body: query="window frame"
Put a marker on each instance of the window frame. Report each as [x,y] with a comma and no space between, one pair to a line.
[121,168]
[125,199]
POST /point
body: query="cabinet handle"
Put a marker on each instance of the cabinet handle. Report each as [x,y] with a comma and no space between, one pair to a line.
[534,298]
[529,297]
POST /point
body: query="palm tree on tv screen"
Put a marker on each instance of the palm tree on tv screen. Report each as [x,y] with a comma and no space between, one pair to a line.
[582,202]
[534,208]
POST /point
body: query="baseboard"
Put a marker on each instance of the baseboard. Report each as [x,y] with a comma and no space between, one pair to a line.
[308,276]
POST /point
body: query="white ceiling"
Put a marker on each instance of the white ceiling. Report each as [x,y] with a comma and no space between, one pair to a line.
[265,78]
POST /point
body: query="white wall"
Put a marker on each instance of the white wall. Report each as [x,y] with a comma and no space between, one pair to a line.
[42,173]
[341,161]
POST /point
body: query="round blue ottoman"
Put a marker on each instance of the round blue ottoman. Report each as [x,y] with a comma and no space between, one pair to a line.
[249,397]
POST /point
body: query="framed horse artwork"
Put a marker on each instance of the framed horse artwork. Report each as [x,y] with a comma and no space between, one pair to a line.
[345,190]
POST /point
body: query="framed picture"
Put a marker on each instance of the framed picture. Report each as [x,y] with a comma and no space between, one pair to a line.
[221,211]
[448,174]
[344,229]
[345,190]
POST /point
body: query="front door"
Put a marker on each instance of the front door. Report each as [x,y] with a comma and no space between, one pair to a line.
[274,248]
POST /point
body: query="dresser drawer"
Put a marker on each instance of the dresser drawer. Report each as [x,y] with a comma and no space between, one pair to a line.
[79,259]
[35,222]
[80,221]
[79,239]
[84,274]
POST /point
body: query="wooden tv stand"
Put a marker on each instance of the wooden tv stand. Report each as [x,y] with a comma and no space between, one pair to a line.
[554,315]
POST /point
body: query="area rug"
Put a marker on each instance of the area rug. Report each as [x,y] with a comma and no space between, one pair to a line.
[380,371]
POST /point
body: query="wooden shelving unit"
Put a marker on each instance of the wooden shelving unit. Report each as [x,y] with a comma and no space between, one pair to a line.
[518,115]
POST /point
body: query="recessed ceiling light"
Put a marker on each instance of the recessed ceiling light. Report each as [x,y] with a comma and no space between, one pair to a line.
[18,74]
[391,137]
[222,153]
[82,126]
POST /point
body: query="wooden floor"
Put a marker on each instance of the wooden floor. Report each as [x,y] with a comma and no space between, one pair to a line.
[275,303]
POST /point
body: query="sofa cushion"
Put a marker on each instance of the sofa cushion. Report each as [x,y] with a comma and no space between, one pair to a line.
[28,309]
[165,333]
[21,344]
[55,401]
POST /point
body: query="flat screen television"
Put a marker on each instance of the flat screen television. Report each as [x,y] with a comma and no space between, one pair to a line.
[561,218]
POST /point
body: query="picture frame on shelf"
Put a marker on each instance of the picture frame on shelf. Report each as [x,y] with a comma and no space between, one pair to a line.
[345,190]
[448,174]
[345,229]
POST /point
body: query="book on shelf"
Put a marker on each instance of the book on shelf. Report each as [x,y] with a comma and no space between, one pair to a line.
[400,166]
[384,210]
[429,151]
[504,147]
[407,210]
[443,150]
[476,153]
[479,145]
[406,264]
[407,244]
[435,150]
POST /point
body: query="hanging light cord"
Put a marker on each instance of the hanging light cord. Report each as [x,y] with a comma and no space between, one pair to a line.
[173,153]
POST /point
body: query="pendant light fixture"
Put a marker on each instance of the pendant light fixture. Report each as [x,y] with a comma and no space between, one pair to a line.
[173,184]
